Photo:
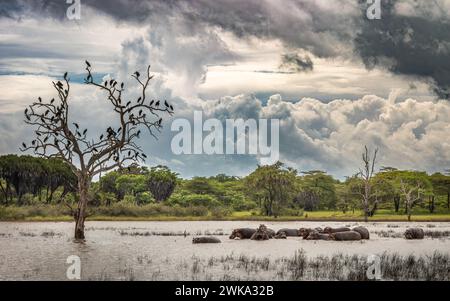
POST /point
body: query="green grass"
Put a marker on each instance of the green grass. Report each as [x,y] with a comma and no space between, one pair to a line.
[165,213]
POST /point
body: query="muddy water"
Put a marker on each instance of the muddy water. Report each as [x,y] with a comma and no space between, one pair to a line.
[160,251]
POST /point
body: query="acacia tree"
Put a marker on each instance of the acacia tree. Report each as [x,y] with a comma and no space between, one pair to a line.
[57,135]
[272,185]
[413,185]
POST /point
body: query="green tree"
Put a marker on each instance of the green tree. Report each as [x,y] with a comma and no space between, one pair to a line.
[441,186]
[413,186]
[272,186]
[317,191]
[161,182]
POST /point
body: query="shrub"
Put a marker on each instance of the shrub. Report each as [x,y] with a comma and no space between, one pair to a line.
[220,212]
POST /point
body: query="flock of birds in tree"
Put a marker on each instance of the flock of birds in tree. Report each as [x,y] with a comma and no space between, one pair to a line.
[54,130]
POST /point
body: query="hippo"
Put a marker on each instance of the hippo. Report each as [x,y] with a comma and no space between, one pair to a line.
[315,235]
[304,232]
[346,235]
[281,235]
[289,232]
[330,230]
[271,233]
[261,233]
[414,233]
[205,240]
[242,233]
[363,231]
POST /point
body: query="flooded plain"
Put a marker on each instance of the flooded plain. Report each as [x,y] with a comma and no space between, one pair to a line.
[164,251]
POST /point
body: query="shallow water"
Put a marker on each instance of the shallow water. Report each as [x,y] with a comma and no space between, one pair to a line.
[113,251]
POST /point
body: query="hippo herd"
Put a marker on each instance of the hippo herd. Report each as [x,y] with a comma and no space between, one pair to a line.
[328,233]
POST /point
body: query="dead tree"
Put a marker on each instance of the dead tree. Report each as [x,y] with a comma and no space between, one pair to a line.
[59,136]
[366,174]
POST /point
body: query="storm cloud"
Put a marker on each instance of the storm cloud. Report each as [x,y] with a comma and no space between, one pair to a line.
[412,38]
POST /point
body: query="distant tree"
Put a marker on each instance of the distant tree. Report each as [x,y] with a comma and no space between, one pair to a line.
[317,191]
[366,173]
[347,199]
[161,182]
[384,187]
[273,185]
[57,135]
[200,185]
[224,178]
[413,185]
[441,185]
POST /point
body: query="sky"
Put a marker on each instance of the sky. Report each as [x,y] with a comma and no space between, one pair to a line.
[335,79]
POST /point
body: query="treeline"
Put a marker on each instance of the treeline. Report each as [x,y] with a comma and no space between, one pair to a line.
[272,190]
[34,177]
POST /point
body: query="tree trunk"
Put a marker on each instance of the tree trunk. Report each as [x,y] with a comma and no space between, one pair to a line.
[396,203]
[408,209]
[80,214]
[448,200]
[431,205]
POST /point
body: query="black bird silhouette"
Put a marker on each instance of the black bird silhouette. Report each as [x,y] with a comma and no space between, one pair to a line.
[111,82]
[65,75]
[157,103]
[26,111]
[143,155]
[33,142]
[171,107]
[76,125]
[121,85]
[46,138]
[40,99]
[59,84]
[24,145]
[84,132]
[137,74]
[138,133]
[106,83]
[165,103]
[88,64]
[139,99]
[128,103]
[140,112]
[101,136]
[46,112]
[159,121]
[52,101]
[151,102]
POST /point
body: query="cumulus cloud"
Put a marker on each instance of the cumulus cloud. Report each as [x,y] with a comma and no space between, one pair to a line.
[331,136]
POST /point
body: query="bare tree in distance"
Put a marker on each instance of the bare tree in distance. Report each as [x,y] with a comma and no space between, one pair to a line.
[366,173]
[59,136]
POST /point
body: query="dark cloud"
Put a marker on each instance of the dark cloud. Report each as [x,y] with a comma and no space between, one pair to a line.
[415,45]
[296,62]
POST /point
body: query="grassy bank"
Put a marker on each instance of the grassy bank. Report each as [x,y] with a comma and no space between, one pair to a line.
[157,212]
